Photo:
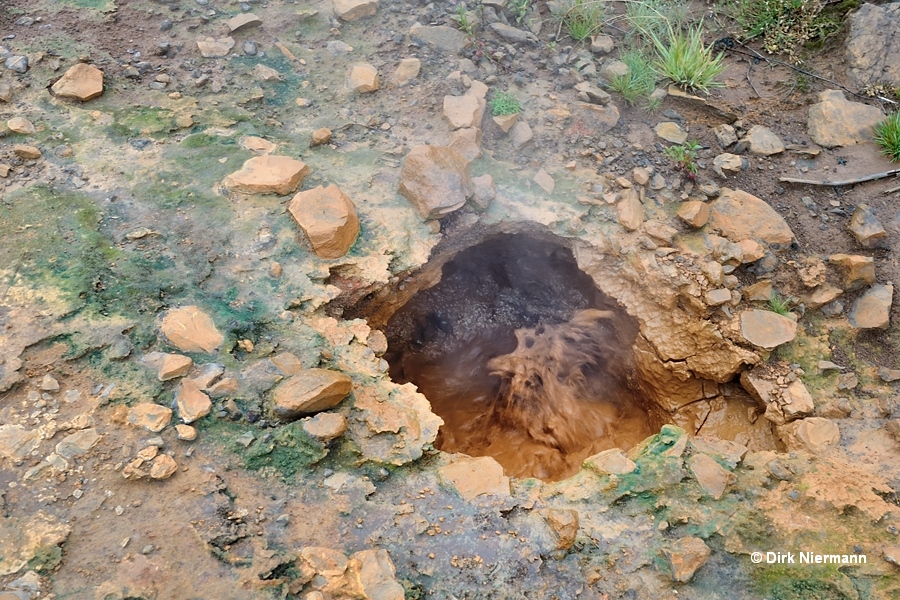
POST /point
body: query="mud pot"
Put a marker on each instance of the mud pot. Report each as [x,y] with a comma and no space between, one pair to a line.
[527,361]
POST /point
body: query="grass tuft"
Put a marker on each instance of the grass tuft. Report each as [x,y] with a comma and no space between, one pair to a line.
[686,60]
[639,82]
[504,103]
[887,135]
[779,304]
[581,17]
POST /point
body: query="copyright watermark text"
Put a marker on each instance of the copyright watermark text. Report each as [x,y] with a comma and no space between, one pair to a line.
[806,558]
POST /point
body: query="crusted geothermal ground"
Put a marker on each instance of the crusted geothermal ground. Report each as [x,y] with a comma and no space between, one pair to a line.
[287,313]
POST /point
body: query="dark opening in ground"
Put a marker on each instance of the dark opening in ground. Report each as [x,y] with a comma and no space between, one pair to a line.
[523,357]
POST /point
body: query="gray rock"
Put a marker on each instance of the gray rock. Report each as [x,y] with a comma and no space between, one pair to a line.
[835,121]
[872,310]
[17,63]
[725,135]
[511,34]
[763,142]
[441,37]
[866,228]
[873,45]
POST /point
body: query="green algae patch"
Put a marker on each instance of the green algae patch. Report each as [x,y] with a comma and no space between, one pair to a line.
[99,5]
[141,121]
[287,451]
[803,582]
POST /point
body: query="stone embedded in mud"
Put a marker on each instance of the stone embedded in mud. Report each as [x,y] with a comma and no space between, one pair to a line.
[448,40]
[406,72]
[873,45]
[629,209]
[190,330]
[467,142]
[215,48]
[610,462]
[192,403]
[732,453]
[671,132]
[243,21]
[310,391]
[163,467]
[16,442]
[544,181]
[82,82]
[521,134]
[564,525]
[872,310]
[858,270]
[263,73]
[363,78]
[505,122]
[392,423]
[866,228]
[435,180]
[269,174]
[598,119]
[168,366]
[717,297]
[257,145]
[694,212]
[325,426]
[185,433]
[766,329]
[763,141]
[473,477]
[377,575]
[150,416]
[351,10]
[685,556]
[740,216]
[464,111]
[822,295]
[328,218]
[78,443]
[320,136]
[27,152]
[728,162]
[711,476]
[813,434]
[835,121]
[30,537]
[592,93]
[20,125]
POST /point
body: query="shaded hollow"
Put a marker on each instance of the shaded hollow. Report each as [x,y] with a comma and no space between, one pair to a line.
[523,357]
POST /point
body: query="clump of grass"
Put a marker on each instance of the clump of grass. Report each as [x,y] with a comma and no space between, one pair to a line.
[653,15]
[504,103]
[686,60]
[639,82]
[887,135]
[779,304]
[786,26]
[580,17]
[684,157]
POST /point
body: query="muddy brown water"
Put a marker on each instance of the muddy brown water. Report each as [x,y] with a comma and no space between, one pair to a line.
[523,357]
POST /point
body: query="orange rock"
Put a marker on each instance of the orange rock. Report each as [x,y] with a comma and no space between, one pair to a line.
[83,82]
[269,174]
[328,217]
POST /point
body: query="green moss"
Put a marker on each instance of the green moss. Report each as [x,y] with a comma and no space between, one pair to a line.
[101,5]
[807,582]
[141,121]
[46,558]
[287,451]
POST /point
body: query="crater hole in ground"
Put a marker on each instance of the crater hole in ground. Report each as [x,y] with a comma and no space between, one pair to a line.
[523,358]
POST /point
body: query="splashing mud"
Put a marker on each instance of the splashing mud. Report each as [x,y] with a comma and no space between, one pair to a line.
[523,357]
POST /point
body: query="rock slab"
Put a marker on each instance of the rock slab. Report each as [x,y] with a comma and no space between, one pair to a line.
[741,216]
[82,82]
[309,392]
[191,330]
[835,121]
[872,310]
[328,218]
[436,181]
[873,45]
[473,477]
[269,174]
[766,329]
